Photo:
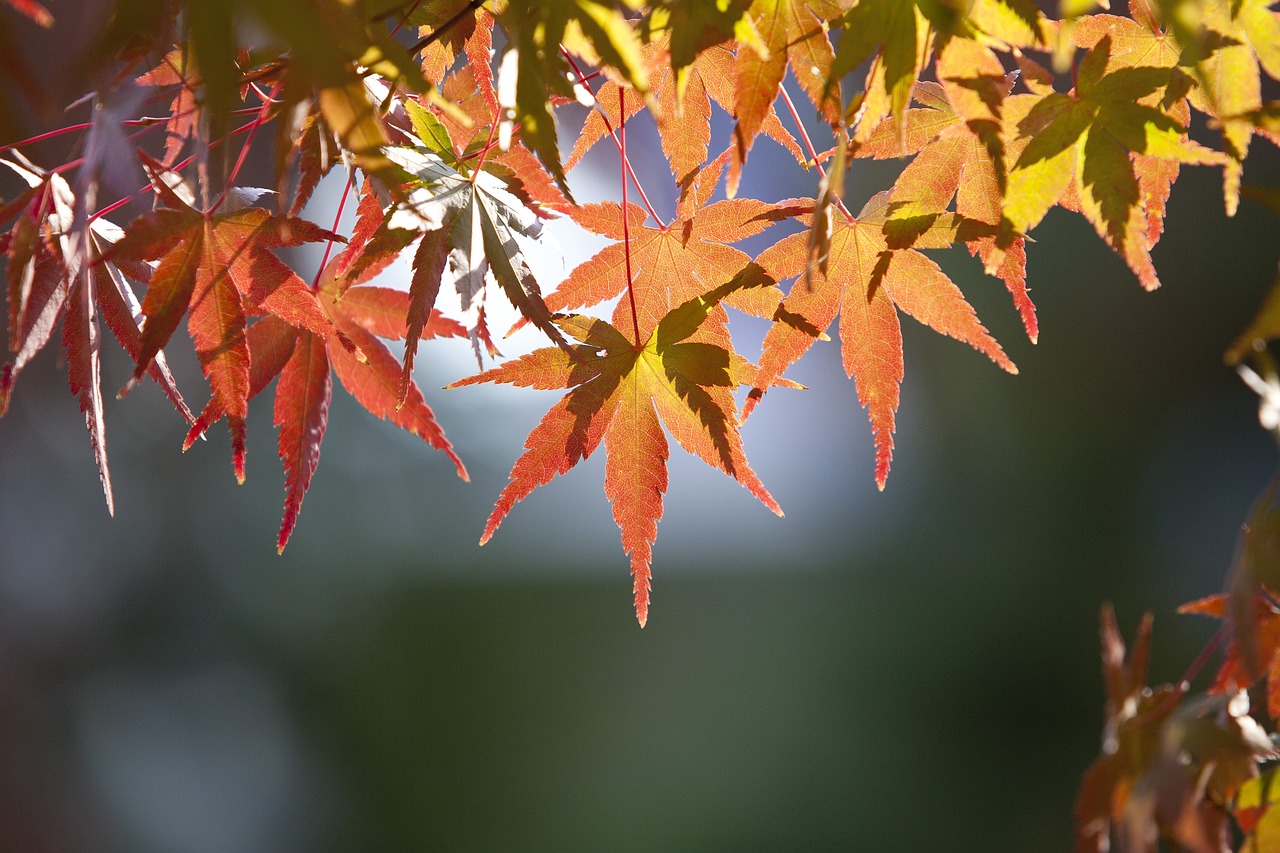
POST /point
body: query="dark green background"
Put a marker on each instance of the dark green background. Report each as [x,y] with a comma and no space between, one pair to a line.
[913,670]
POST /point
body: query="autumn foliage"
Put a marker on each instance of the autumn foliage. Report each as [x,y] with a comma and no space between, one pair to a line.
[446,119]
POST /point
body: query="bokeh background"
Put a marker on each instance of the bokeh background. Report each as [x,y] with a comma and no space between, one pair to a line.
[912,670]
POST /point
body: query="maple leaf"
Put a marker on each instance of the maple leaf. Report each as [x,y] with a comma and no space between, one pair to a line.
[312,145]
[691,26]
[456,28]
[1168,764]
[1255,812]
[1259,632]
[532,69]
[32,10]
[683,115]
[462,137]
[1141,42]
[794,36]
[873,270]
[470,226]
[176,69]
[683,376]
[961,156]
[217,265]
[1249,606]
[305,363]
[900,34]
[1234,42]
[1138,41]
[55,271]
[671,263]
[1085,143]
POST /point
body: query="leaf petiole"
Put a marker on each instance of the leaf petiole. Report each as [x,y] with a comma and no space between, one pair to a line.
[626,164]
[626,220]
[808,144]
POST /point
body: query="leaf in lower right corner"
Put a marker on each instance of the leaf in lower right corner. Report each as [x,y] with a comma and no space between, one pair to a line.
[1170,763]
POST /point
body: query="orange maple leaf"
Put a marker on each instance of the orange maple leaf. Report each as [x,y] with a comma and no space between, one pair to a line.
[873,269]
[684,374]
[671,263]
[684,123]
[795,36]
[959,156]
[1263,644]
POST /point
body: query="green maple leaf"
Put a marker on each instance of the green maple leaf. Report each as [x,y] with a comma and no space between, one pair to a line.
[901,35]
[470,227]
[1086,142]
[1232,42]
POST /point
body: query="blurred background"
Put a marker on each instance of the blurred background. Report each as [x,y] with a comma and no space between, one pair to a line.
[912,670]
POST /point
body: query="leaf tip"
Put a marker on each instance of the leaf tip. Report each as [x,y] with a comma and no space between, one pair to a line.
[197,431]
[640,574]
[129,386]
[749,405]
[286,528]
[6,386]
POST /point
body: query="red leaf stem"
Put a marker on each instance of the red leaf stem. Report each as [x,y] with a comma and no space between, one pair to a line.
[267,103]
[808,144]
[626,164]
[119,203]
[405,17]
[328,244]
[626,225]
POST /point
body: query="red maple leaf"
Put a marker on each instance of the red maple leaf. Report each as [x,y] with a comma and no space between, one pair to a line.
[216,264]
[305,363]
[55,271]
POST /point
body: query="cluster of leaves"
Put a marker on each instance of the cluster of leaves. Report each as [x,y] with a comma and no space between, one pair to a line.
[444,114]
